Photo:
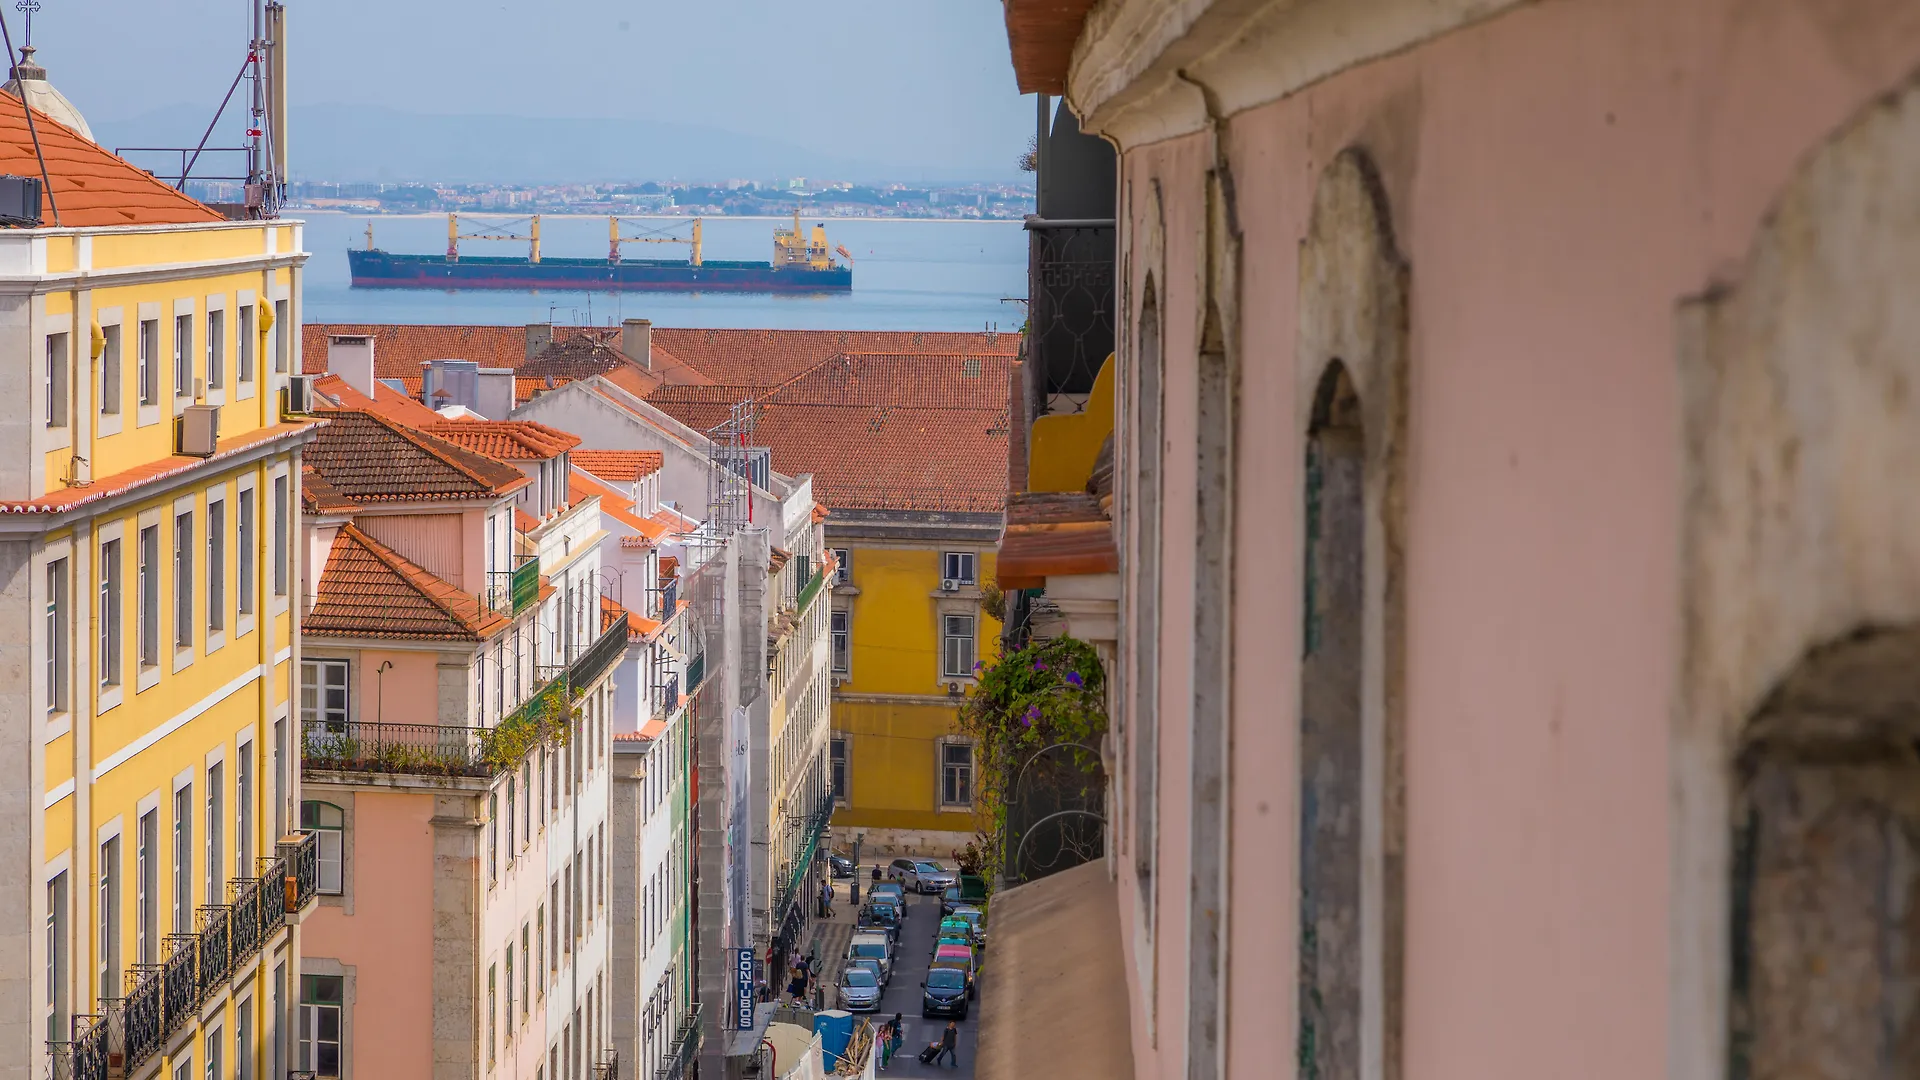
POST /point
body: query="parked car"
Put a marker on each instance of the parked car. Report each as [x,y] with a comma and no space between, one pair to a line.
[950,899]
[871,965]
[873,947]
[880,918]
[977,919]
[859,989]
[842,866]
[891,891]
[959,956]
[922,875]
[961,927]
[958,941]
[945,993]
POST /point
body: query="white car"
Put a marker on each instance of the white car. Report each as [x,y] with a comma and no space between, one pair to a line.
[873,947]
[922,875]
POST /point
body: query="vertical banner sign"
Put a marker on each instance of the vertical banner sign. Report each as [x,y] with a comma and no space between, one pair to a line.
[743,989]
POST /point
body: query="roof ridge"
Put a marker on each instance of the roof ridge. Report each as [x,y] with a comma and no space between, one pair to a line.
[436,446]
[406,569]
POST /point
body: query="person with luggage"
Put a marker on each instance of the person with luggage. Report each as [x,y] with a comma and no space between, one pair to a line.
[949,1044]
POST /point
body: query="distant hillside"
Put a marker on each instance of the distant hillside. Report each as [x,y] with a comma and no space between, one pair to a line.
[374,143]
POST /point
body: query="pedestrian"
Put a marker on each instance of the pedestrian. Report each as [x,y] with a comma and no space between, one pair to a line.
[826,900]
[949,1044]
[876,873]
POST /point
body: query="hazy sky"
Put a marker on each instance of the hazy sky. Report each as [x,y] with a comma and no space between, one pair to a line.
[915,82]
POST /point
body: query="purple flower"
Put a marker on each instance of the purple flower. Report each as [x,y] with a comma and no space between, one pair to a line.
[1073,677]
[1039,665]
[979,665]
[1033,713]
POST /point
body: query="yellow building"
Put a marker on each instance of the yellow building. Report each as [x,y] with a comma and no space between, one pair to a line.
[150,897]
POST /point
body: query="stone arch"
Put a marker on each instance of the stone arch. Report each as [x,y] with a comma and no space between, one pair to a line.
[1800,556]
[1352,388]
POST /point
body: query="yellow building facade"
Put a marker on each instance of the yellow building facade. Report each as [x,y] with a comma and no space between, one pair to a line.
[149,493]
[908,626]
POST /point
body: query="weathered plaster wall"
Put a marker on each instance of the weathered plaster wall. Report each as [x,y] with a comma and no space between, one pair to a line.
[1562,178]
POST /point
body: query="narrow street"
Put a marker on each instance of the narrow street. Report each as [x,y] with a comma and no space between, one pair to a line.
[903,993]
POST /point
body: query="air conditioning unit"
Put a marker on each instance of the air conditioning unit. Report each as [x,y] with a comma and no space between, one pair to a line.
[197,431]
[949,584]
[299,396]
[20,201]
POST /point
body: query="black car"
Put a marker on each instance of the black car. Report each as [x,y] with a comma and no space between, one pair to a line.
[881,917]
[950,900]
[946,993]
[841,865]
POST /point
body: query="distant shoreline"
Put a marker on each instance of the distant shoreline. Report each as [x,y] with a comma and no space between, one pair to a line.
[441,214]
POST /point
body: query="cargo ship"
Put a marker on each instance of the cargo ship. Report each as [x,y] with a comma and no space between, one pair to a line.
[801,264]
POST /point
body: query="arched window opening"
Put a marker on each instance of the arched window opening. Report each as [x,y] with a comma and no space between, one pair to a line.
[330,822]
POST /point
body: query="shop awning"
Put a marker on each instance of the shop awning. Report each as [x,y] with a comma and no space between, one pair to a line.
[1053,989]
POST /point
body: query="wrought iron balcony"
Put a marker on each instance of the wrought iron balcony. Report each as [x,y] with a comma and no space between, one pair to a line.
[800,857]
[686,1045]
[165,997]
[599,656]
[422,749]
[667,696]
[1070,270]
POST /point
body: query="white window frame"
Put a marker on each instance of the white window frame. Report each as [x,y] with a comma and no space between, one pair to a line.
[112,391]
[840,641]
[948,640]
[315,673]
[959,566]
[330,842]
[186,564]
[972,768]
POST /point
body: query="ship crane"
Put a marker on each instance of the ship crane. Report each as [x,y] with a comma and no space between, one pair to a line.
[454,236]
[614,240]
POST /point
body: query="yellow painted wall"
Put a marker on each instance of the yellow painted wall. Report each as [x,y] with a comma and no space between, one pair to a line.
[1064,446]
[895,650]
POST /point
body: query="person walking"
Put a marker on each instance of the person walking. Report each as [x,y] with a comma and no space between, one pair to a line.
[826,899]
[949,1044]
[889,1040]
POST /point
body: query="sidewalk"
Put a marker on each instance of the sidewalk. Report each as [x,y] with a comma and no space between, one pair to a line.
[831,936]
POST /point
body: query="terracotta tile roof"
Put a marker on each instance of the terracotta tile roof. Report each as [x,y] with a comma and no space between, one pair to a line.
[369,458]
[777,558]
[639,627]
[91,187]
[743,357]
[620,465]
[507,440]
[102,487]
[331,393]
[820,513]
[880,431]
[320,497]
[582,486]
[370,590]
[1055,533]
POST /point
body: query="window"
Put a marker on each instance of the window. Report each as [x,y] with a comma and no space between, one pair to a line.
[843,566]
[837,754]
[183,581]
[213,1055]
[842,642]
[243,343]
[110,369]
[243,539]
[526,803]
[216,566]
[243,812]
[330,822]
[215,828]
[493,838]
[956,774]
[57,645]
[183,860]
[150,595]
[109,650]
[322,999]
[216,349]
[956,653]
[281,334]
[109,919]
[493,972]
[243,1040]
[540,943]
[56,380]
[323,694]
[553,901]
[184,1069]
[526,971]
[281,804]
[57,958]
[149,356]
[507,1014]
[958,566]
[146,884]
[183,356]
[279,536]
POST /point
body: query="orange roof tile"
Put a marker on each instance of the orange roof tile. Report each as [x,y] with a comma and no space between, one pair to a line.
[507,440]
[91,187]
[620,465]
[742,357]
[320,497]
[370,590]
[639,627]
[102,487]
[820,513]
[613,504]
[331,393]
[879,431]
[369,458]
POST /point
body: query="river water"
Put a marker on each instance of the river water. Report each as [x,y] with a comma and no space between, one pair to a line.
[907,275]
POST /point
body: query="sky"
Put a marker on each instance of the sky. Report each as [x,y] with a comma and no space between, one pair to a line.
[917,83]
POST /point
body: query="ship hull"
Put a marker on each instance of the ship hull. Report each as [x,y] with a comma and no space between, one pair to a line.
[385,270]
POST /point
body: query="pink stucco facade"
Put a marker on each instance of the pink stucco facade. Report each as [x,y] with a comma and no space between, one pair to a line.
[1561,180]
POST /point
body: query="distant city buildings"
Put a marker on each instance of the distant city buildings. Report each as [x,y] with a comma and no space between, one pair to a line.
[1010,201]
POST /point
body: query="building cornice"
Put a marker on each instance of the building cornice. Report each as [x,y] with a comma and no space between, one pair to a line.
[1139,64]
[74,280]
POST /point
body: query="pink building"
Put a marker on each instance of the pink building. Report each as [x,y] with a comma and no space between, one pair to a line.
[456,747]
[1514,625]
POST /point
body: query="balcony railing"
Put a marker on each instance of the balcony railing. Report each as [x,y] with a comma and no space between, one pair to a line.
[696,673]
[601,655]
[608,1067]
[686,1045]
[800,858]
[667,696]
[1070,307]
[810,590]
[420,749]
[163,998]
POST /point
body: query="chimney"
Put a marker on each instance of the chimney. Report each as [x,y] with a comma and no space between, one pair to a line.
[350,356]
[539,336]
[636,340]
